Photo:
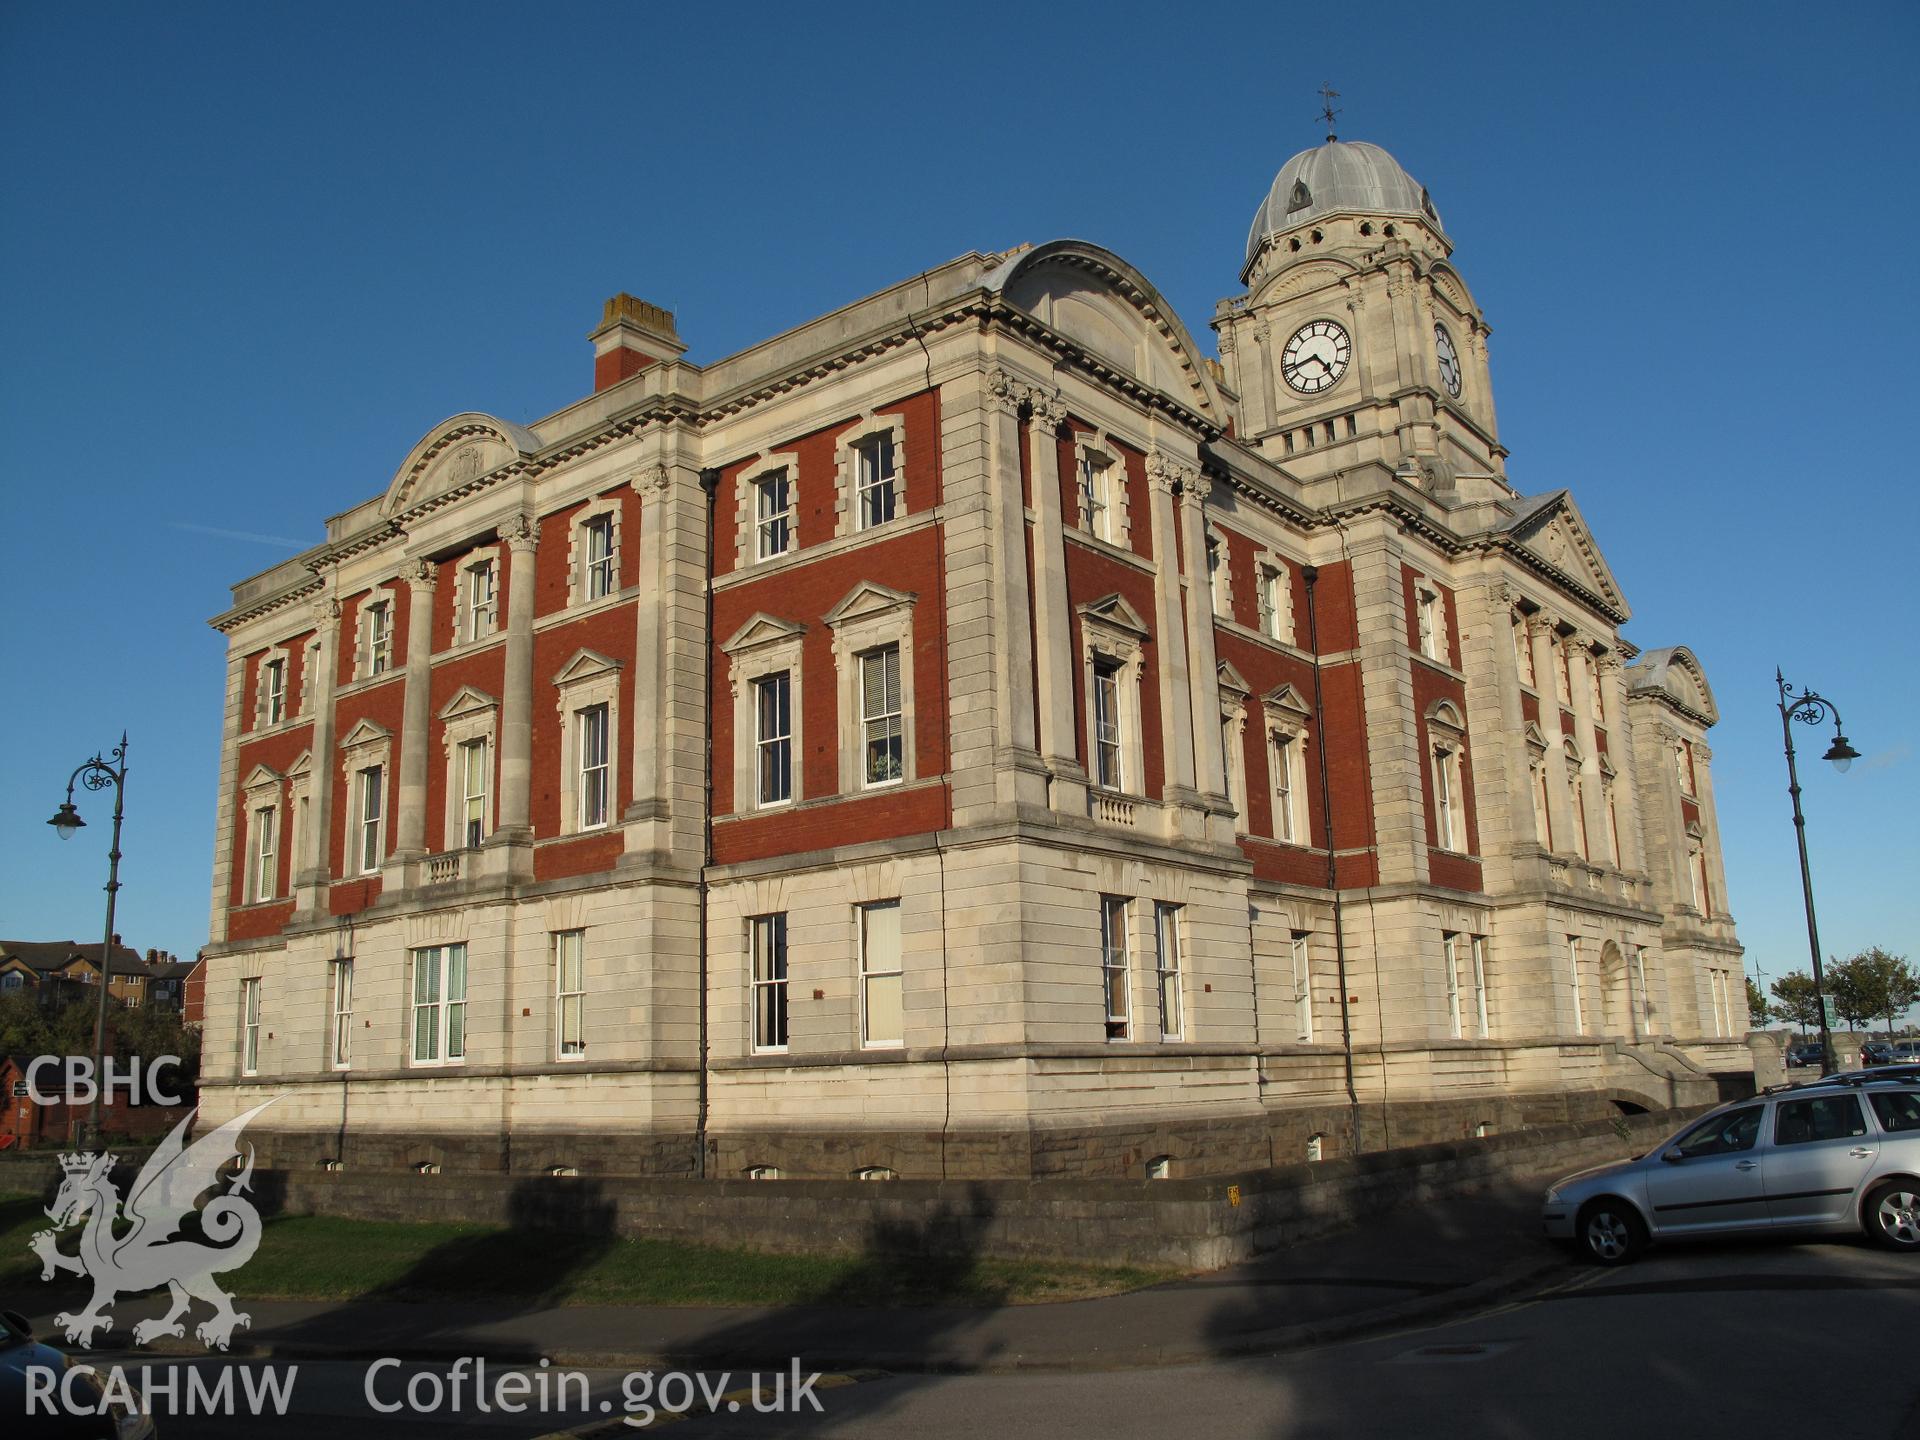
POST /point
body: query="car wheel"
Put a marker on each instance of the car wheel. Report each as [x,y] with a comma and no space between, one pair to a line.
[1611,1232]
[1892,1214]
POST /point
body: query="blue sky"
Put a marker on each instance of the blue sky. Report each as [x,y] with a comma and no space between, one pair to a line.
[251,253]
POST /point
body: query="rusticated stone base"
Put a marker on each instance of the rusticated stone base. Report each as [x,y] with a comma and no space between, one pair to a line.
[1190,1147]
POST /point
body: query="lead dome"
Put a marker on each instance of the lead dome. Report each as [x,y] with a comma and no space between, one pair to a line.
[1339,176]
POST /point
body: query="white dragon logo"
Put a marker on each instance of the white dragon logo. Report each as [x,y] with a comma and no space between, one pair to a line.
[148,1254]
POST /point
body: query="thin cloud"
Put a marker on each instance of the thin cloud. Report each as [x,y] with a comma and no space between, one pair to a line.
[280,541]
[1887,759]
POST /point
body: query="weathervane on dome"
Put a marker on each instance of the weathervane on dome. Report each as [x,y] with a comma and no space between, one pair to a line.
[1327,96]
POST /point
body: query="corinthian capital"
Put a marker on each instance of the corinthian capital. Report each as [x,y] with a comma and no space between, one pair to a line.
[521,532]
[1167,472]
[1004,393]
[421,574]
[652,478]
[325,612]
[1049,410]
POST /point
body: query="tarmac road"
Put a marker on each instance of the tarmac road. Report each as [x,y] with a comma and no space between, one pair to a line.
[1726,1340]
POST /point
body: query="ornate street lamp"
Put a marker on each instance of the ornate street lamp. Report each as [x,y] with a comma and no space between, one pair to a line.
[97,774]
[1811,709]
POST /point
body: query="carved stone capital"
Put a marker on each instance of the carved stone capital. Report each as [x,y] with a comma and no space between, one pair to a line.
[654,478]
[1701,752]
[420,574]
[1166,472]
[1004,393]
[325,612]
[1225,340]
[521,533]
[1049,410]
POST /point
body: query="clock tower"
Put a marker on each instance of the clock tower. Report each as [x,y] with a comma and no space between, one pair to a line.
[1357,345]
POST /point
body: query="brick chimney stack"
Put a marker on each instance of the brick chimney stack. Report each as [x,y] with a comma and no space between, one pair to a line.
[631,336]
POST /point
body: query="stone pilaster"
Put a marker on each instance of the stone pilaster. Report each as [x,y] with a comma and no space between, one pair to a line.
[1019,775]
[1626,759]
[1054,665]
[1581,685]
[225,832]
[1179,788]
[512,841]
[310,885]
[1710,824]
[650,802]
[1540,630]
[410,823]
[1203,687]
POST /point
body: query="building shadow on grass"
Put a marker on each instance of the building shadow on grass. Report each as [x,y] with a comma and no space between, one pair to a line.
[914,1295]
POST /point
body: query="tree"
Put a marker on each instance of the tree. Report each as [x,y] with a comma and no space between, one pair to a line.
[1796,1003]
[1763,1014]
[1875,985]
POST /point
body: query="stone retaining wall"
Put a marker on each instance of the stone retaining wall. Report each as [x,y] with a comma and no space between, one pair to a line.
[1198,1224]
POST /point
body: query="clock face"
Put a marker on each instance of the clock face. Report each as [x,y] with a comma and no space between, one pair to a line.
[1449,359]
[1316,357]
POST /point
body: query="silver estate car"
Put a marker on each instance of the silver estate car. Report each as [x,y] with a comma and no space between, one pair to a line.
[1829,1158]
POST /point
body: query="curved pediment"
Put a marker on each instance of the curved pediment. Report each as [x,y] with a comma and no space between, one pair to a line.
[1098,301]
[453,455]
[1675,675]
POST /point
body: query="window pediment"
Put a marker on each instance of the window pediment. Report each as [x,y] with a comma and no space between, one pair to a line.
[262,777]
[585,665]
[1232,680]
[1535,737]
[1444,715]
[867,600]
[763,630]
[1113,610]
[469,699]
[367,732]
[1286,700]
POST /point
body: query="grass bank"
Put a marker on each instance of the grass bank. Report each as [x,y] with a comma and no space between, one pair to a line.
[324,1258]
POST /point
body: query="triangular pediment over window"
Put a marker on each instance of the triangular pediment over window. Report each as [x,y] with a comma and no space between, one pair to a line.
[869,597]
[763,629]
[584,665]
[1552,529]
[470,699]
[1115,611]
[301,767]
[1287,698]
[261,777]
[1535,736]
[365,733]
[1232,679]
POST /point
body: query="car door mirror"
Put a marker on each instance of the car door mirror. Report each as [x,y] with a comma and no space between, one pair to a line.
[1674,1156]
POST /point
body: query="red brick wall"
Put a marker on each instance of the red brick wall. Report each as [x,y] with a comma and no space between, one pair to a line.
[1092,575]
[609,633]
[803,594]
[1430,686]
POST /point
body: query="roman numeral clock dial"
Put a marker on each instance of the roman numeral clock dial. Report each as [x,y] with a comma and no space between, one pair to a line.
[1449,359]
[1316,357]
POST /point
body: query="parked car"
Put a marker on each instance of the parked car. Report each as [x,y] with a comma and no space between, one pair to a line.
[1907,1052]
[1832,1158]
[1807,1052]
[94,1420]
[1876,1052]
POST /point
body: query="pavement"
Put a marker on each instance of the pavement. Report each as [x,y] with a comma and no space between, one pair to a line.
[1415,1265]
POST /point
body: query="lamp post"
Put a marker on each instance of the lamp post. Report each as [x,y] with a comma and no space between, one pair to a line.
[1811,709]
[97,774]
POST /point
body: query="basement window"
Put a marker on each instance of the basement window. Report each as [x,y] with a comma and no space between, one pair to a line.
[1316,1147]
[1160,1167]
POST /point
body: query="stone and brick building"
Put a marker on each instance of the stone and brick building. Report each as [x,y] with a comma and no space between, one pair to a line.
[972,733]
